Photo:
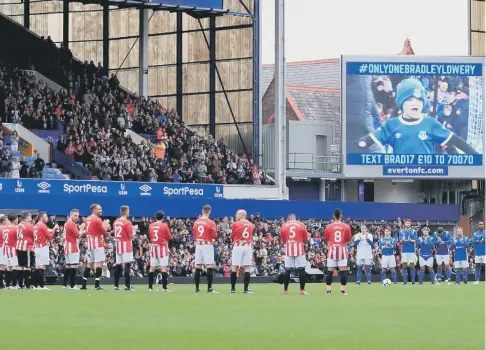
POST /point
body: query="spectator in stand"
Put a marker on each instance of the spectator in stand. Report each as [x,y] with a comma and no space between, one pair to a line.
[39,163]
[14,142]
[15,168]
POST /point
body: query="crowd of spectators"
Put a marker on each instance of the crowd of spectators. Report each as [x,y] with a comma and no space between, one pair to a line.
[268,254]
[93,112]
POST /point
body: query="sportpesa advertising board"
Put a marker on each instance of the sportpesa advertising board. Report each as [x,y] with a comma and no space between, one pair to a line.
[413,117]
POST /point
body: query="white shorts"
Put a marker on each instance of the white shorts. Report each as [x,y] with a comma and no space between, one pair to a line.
[159,262]
[294,262]
[204,255]
[3,259]
[388,261]
[429,262]
[11,257]
[408,258]
[480,259]
[442,259]
[241,256]
[365,261]
[461,264]
[124,258]
[337,263]
[96,255]
[42,256]
[72,259]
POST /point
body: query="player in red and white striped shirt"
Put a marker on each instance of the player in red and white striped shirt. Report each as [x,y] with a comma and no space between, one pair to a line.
[42,238]
[3,260]
[337,234]
[242,237]
[294,234]
[96,229]
[25,249]
[124,234]
[71,248]
[10,251]
[160,236]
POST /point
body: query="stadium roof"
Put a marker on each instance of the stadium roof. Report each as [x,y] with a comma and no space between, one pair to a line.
[312,90]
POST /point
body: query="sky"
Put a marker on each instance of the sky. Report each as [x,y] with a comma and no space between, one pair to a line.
[318,29]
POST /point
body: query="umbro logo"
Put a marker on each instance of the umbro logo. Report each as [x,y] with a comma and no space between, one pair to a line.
[145,190]
[43,187]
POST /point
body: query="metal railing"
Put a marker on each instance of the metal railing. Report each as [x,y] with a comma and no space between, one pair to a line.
[311,162]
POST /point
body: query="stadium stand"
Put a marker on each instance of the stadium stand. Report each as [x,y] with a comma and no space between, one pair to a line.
[88,120]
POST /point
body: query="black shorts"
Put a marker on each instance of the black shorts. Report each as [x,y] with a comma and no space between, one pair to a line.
[26,259]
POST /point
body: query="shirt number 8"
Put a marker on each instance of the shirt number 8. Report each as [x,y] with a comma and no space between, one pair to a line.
[337,236]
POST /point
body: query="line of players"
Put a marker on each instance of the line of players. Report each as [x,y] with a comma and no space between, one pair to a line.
[440,242]
[26,245]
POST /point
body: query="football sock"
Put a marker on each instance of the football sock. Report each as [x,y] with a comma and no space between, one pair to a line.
[414,274]
[210,278]
[358,273]
[86,274]
[368,273]
[458,275]
[40,276]
[432,276]
[464,275]
[27,278]
[405,274]
[448,274]
[151,279]
[8,276]
[67,271]
[165,279]
[394,276]
[246,280]
[344,277]
[329,277]
[302,278]
[98,272]
[72,277]
[439,273]
[382,275]
[197,277]
[118,272]
[14,277]
[421,276]
[1,279]
[233,280]
[286,279]
[127,275]
[477,273]
[20,278]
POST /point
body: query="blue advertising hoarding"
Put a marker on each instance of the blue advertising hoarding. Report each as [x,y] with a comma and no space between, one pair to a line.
[112,189]
[413,117]
[186,200]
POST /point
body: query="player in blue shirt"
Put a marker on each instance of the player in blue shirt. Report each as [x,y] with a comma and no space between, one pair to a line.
[461,244]
[479,242]
[442,253]
[426,255]
[413,132]
[408,238]
[387,247]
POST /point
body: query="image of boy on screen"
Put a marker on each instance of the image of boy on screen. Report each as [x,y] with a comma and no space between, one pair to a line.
[413,132]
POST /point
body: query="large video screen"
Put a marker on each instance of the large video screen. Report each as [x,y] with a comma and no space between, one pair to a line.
[413,117]
[214,4]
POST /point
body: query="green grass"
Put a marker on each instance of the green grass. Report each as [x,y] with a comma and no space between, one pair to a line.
[413,317]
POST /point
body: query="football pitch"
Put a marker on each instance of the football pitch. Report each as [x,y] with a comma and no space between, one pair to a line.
[371,317]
